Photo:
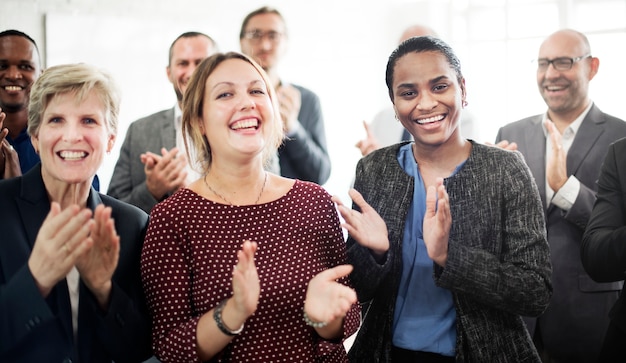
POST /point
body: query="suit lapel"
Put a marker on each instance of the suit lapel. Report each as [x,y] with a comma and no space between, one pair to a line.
[168,136]
[586,137]
[535,141]
[33,203]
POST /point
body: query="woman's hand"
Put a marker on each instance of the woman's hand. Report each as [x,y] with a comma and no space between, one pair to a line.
[366,227]
[246,287]
[328,301]
[437,223]
[62,239]
[97,265]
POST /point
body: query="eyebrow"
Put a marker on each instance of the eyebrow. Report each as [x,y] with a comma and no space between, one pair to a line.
[434,80]
[226,83]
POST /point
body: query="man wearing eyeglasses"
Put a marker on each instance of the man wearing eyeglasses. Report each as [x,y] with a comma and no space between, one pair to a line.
[304,154]
[564,149]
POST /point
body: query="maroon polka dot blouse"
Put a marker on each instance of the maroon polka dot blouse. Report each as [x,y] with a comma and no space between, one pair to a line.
[187,260]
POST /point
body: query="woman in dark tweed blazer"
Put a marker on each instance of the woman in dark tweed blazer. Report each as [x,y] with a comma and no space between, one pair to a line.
[447,236]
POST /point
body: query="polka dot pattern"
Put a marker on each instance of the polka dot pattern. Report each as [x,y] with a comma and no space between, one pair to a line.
[188,255]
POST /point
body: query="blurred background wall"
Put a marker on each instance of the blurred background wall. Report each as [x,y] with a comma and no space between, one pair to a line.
[337,48]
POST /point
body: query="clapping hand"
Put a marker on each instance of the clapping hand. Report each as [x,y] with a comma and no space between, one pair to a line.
[367,227]
[437,222]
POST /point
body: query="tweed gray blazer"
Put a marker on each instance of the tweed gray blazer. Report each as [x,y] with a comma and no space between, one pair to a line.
[498,265]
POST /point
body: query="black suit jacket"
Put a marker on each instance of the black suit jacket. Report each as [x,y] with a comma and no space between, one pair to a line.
[603,250]
[34,329]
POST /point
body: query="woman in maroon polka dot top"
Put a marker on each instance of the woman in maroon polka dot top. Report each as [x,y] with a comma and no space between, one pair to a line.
[244,265]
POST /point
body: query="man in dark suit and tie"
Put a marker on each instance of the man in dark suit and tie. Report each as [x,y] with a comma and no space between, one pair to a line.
[564,149]
[152,164]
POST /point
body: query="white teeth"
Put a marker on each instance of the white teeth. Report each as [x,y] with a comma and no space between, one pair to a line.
[13,88]
[244,124]
[72,155]
[430,119]
[555,88]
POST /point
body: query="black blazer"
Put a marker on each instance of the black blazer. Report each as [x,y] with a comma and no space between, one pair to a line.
[34,329]
[603,250]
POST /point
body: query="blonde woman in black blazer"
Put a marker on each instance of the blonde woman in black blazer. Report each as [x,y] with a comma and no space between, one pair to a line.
[70,287]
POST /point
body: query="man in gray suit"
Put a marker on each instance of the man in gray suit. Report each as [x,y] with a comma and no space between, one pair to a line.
[564,149]
[152,164]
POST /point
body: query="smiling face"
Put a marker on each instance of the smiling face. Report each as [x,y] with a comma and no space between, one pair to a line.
[186,54]
[19,68]
[427,96]
[72,139]
[566,91]
[264,40]
[237,110]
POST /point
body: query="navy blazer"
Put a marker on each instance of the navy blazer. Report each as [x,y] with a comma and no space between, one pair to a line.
[38,329]
[573,326]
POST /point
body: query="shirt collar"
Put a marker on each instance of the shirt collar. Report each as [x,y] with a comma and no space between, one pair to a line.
[574,126]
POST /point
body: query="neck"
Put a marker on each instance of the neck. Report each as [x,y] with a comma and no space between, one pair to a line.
[68,194]
[243,185]
[15,122]
[565,118]
[444,157]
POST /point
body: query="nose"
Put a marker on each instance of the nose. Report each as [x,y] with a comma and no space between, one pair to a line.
[13,72]
[247,102]
[426,101]
[72,132]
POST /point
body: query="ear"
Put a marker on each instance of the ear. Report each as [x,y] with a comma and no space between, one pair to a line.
[110,143]
[593,67]
[200,122]
[463,92]
[34,139]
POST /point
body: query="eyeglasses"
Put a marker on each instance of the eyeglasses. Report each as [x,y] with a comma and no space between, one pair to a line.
[257,35]
[560,64]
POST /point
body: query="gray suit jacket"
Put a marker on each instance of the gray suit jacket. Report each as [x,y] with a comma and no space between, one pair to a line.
[150,133]
[574,324]
[498,260]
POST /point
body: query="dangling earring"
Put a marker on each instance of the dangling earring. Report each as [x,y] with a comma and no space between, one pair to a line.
[464,103]
[396,116]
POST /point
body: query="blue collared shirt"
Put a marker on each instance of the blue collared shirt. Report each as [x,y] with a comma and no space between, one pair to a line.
[424,315]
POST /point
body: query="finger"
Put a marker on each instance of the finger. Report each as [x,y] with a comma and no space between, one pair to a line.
[431,201]
[358,199]
[368,132]
[337,200]
[337,272]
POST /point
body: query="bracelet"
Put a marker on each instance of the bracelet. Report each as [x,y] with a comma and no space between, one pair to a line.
[311,323]
[217,315]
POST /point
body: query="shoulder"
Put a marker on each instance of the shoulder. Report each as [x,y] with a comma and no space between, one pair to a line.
[493,159]
[524,123]
[124,210]
[9,189]
[306,94]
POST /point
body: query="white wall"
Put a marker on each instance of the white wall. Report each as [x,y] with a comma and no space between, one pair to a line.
[336,48]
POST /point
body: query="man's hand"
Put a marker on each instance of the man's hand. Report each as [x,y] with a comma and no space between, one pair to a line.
[165,173]
[368,144]
[290,101]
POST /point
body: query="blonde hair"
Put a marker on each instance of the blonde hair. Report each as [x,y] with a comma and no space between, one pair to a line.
[193,106]
[79,79]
